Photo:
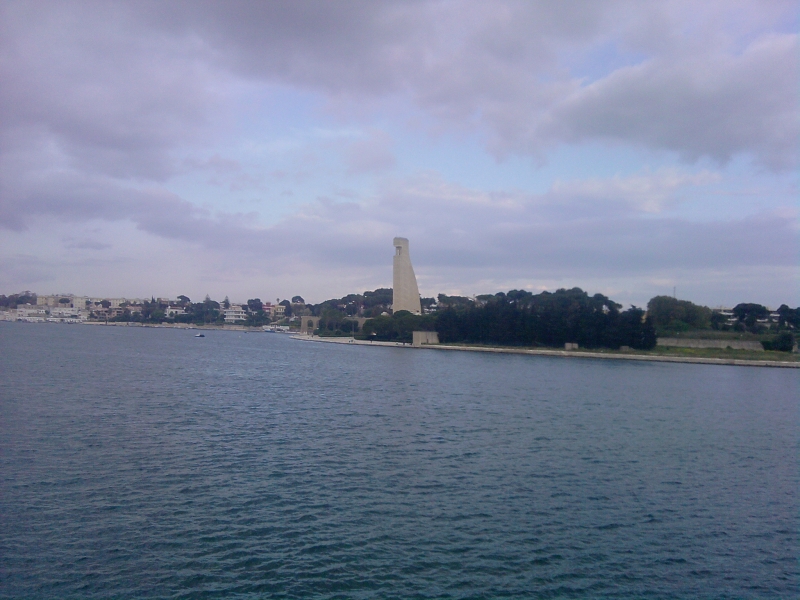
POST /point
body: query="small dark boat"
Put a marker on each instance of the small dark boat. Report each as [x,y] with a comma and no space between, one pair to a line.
[199,335]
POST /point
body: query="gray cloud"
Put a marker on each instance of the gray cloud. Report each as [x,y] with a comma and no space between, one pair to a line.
[115,87]
[83,86]
[371,154]
[98,100]
[523,233]
[716,106]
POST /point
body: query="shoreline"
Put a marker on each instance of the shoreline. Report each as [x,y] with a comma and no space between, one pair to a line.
[739,362]
[608,355]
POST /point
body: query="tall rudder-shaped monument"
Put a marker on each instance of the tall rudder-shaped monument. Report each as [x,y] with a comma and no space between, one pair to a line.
[405,293]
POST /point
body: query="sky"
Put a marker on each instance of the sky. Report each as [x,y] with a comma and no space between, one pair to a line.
[272,149]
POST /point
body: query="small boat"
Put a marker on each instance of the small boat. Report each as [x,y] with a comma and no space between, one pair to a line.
[199,335]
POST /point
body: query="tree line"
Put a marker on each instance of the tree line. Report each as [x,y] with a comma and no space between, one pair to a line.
[522,318]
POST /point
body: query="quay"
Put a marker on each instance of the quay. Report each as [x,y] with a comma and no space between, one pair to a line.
[564,353]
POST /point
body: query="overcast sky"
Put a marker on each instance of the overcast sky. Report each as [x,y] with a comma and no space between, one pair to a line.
[267,149]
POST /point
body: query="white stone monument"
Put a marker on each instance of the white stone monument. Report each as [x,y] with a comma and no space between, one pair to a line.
[405,294]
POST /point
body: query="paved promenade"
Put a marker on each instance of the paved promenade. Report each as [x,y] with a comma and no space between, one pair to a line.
[564,353]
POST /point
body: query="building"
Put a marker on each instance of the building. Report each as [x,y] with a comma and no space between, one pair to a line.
[31,313]
[405,293]
[173,311]
[62,301]
[234,314]
[67,315]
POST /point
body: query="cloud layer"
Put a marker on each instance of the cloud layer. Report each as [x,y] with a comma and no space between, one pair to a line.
[105,107]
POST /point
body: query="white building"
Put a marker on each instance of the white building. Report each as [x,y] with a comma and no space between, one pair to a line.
[174,311]
[31,314]
[67,315]
[234,313]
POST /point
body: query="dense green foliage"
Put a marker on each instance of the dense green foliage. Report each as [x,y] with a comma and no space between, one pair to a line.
[456,301]
[368,304]
[200,313]
[398,327]
[783,342]
[12,300]
[748,314]
[547,319]
[788,317]
[336,322]
[671,315]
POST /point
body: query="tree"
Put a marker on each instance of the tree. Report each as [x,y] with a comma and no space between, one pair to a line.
[454,301]
[749,313]
[184,299]
[26,297]
[255,305]
[398,327]
[783,342]
[287,307]
[298,300]
[788,317]
[719,321]
[547,319]
[636,330]
[226,303]
[670,314]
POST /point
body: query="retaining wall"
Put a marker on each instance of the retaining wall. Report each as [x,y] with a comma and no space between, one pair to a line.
[699,343]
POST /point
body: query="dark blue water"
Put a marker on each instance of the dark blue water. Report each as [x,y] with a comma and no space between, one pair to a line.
[149,463]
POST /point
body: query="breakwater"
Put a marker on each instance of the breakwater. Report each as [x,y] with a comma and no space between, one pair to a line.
[608,355]
[673,342]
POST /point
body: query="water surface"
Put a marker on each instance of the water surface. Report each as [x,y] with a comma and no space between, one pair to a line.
[149,463]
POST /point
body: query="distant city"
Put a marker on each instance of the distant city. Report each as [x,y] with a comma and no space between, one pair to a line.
[69,308]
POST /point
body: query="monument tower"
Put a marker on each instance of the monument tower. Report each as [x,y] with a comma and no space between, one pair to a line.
[405,293]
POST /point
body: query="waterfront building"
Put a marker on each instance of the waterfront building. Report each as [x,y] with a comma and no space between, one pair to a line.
[62,301]
[31,313]
[173,311]
[67,315]
[234,313]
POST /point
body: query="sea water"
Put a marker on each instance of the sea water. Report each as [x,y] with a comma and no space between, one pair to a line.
[143,462]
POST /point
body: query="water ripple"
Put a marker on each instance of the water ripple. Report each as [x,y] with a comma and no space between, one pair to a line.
[147,463]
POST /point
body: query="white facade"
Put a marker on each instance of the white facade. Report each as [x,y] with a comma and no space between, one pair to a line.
[174,311]
[405,293]
[67,315]
[31,314]
[234,313]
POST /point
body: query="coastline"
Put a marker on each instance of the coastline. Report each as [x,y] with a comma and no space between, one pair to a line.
[566,353]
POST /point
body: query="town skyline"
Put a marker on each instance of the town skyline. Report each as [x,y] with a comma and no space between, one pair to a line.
[52,300]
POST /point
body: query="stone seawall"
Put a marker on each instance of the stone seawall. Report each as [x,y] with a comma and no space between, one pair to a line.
[565,353]
[699,343]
